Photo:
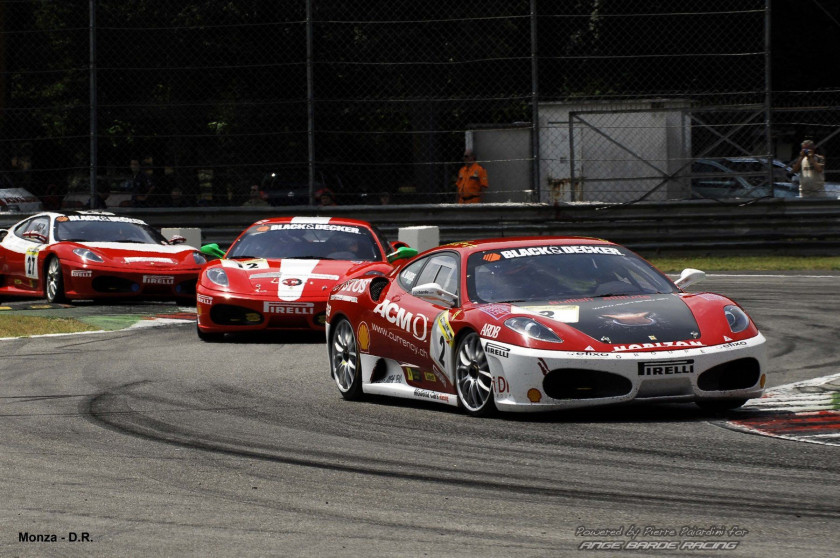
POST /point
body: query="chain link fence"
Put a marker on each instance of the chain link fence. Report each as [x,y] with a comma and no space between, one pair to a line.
[219,103]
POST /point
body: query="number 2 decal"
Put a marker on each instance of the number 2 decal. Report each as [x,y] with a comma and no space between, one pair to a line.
[31,263]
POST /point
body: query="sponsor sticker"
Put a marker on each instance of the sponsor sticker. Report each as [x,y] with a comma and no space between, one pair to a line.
[660,345]
[289,308]
[148,259]
[363,335]
[496,310]
[567,314]
[204,299]
[158,280]
[316,227]
[666,368]
[345,298]
[497,350]
[549,250]
[95,217]
[81,273]
[490,330]
[415,324]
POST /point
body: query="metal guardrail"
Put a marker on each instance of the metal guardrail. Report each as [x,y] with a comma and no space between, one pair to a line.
[763,226]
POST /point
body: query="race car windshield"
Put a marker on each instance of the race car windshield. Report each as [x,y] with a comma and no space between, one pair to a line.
[307,241]
[117,230]
[556,273]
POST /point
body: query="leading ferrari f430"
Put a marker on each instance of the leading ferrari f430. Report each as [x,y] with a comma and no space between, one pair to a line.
[539,324]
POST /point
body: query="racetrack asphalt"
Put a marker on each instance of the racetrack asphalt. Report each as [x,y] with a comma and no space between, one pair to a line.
[151,442]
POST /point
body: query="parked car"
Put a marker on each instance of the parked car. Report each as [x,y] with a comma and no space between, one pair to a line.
[18,200]
[741,177]
[539,324]
[291,186]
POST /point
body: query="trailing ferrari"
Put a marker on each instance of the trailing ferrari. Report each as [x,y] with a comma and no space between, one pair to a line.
[538,324]
[94,255]
[278,273]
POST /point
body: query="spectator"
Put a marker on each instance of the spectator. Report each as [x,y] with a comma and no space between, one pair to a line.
[325,197]
[384,198]
[254,198]
[139,184]
[811,168]
[99,201]
[472,180]
[177,198]
[51,198]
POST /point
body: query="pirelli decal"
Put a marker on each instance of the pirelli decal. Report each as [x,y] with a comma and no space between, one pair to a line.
[289,308]
[666,368]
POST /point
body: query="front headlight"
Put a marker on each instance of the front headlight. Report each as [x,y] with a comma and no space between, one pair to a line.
[737,318]
[218,276]
[533,329]
[199,258]
[88,255]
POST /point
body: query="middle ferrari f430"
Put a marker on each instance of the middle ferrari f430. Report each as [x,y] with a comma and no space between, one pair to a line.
[278,273]
[538,324]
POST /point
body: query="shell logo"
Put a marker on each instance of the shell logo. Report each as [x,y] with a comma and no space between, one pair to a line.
[534,395]
[262,228]
[491,257]
[363,335]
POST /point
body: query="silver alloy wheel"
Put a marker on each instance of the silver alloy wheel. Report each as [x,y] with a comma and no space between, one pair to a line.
[472,376]
[55,283]
[344,357]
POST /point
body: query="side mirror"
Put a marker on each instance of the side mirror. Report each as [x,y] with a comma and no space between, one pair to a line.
[434,293]
[402,253]
[689,277]
[177,239]
[212,251]
[397,244]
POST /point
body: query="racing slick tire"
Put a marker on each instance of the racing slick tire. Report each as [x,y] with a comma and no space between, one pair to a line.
[208,337]
[54,286]
[345,364]
[720,405]
[473,379]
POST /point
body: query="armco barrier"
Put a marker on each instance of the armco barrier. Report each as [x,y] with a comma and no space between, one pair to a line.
[770,225]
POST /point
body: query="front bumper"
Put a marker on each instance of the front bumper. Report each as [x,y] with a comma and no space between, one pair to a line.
[529,380]
[225,312]
[95,281]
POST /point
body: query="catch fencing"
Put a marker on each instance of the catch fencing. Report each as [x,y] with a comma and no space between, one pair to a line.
[376,101]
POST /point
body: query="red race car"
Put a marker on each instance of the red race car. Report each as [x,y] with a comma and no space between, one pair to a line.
[540,324]
[278,273]
[94,255]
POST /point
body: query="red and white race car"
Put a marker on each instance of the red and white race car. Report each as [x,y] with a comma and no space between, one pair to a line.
[94,255]
[539,324]
[278,273]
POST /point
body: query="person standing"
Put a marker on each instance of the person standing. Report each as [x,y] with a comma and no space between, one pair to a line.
[811,168]
[472,180]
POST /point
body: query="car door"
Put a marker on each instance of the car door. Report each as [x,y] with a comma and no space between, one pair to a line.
[412,322]
[22,248]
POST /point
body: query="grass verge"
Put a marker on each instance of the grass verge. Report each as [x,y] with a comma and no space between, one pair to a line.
[25,326]
[747,263]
